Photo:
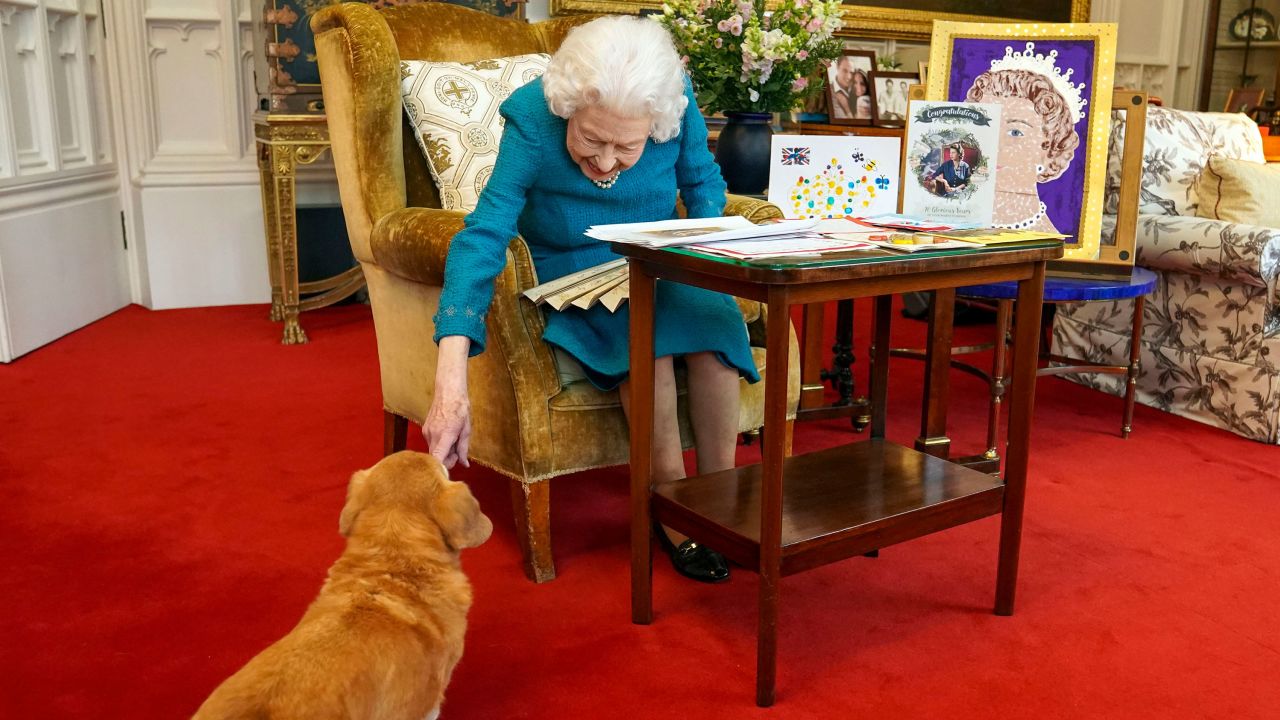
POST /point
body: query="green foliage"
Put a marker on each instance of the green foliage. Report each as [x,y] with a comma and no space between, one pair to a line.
[743,58]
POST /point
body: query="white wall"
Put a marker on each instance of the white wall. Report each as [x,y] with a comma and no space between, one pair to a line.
[1159,46]
[191,184]
[62,260]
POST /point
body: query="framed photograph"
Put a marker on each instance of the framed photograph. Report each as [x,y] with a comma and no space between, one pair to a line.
[1054,83]
[892,91]
[850,100]
[1244,100]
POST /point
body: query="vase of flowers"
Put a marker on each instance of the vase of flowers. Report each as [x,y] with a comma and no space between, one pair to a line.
[749,62]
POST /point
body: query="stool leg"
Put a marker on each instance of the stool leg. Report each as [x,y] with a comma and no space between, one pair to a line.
[1004,309]
[1135,355]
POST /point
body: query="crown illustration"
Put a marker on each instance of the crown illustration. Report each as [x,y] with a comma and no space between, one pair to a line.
[1045,65]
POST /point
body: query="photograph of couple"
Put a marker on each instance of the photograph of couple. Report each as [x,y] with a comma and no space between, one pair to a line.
[849,95]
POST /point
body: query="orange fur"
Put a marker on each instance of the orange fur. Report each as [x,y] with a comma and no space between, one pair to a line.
[382,639]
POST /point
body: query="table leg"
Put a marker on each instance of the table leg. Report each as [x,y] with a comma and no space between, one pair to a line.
[774,450]
[271,226]
[841,373]
[1021,403]
[641,293]
[811,387]
[1004,309]
[283,164]
[1135,359]
[880,365]
[937,379]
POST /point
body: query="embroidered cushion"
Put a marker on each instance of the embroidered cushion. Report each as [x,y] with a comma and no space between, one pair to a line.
[1240,192]
[453,109]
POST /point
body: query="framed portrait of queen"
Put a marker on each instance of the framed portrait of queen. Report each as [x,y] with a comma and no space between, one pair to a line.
[1054,83]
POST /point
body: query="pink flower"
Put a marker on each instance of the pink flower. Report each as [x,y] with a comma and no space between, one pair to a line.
[799,84]
[802,55]
[719,42]
[814,25]
[684,60]
[731,25]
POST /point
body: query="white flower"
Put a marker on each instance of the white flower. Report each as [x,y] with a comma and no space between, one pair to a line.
[753,94]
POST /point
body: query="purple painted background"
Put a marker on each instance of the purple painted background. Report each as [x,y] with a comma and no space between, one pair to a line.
[1063,197]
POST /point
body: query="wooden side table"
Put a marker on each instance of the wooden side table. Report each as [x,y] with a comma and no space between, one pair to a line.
[849,500]
[284,142]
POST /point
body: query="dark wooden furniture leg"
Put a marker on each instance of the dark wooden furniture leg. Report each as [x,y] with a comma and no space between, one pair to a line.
[641,302]
[1004,310]
[1135,360]
[937,378]
[531,506]
[395,433]
[811,372]
[774,450]
[841,372]
[880,365]
[1026,326]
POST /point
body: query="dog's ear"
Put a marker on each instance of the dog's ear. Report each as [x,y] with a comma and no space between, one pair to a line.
[458,514]
[355,502]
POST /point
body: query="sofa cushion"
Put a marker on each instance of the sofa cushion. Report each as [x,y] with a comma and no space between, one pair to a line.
[1178,144]
[1240,192]
[453,110]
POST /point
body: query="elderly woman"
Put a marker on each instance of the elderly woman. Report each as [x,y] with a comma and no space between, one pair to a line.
[609,134]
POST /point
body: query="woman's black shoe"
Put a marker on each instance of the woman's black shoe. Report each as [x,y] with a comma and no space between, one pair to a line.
[694,561]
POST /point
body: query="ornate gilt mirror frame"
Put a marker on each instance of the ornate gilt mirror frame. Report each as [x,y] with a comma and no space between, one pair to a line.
[861,19]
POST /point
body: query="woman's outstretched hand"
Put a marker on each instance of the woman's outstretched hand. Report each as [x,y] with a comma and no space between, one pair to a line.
[447,428]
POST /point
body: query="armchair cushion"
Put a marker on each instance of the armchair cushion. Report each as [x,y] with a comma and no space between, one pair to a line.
[1245,254]
[453,110]
[1240,192]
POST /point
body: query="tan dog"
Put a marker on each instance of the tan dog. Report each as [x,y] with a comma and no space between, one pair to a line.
[385,633]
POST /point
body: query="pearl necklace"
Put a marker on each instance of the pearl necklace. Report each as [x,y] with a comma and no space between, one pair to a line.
[608,182]
[1022,224]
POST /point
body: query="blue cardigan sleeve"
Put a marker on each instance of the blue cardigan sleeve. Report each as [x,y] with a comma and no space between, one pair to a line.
[697,174]
[479,251]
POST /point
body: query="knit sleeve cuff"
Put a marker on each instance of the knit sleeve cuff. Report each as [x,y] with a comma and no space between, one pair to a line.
[452,320]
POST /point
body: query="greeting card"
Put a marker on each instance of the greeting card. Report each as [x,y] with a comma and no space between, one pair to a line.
[826,176]
[952,157]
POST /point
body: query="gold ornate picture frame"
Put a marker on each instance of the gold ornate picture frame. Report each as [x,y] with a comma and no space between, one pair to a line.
[913,19]
[900,19]
[1054,176]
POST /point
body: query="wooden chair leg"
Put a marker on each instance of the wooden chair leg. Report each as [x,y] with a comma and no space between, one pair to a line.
[395,432]
[532,505]
[791,431]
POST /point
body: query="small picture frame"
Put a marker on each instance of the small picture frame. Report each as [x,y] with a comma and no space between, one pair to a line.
[850,100]
[892,91]
[924,73]
[1244,100]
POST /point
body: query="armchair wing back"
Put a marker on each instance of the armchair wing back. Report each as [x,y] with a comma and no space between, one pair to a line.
[526,426]
[1212,327]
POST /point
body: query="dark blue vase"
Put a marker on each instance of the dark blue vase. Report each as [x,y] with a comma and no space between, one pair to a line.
[743,152]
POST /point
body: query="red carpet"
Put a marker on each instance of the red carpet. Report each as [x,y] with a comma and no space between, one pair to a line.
[172,484]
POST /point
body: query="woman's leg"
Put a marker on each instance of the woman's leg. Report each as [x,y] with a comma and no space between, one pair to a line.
[713,411]
[668,458]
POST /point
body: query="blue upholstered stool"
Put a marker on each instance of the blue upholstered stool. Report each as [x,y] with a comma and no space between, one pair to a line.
[1061,290]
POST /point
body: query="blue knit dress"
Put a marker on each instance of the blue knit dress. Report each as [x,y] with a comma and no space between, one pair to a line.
[538,191]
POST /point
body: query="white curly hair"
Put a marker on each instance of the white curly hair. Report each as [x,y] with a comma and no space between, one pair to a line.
[627,65]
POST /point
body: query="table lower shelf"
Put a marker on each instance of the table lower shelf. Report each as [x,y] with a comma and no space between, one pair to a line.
[837,503]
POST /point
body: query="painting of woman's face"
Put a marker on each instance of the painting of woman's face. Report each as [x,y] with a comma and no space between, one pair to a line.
[1022,143]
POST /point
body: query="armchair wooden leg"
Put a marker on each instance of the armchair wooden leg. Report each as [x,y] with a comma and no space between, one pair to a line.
[532,505]
[395,432]
[791,431]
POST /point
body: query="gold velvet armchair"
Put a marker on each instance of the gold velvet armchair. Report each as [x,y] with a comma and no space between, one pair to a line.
[526,426]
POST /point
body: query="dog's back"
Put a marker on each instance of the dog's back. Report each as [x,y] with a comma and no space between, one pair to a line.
[387,629]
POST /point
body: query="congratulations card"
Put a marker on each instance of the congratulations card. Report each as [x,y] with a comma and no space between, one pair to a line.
[953,150]
[833,176]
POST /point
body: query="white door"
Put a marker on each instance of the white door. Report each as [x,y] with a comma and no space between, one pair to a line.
[62,247]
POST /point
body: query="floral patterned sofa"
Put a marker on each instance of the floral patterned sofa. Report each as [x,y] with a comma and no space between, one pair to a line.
[1211,333]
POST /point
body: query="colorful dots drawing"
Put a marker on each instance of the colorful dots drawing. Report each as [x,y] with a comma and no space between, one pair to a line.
[833,177]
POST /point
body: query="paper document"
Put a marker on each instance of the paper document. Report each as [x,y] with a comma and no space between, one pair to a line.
[669,233]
